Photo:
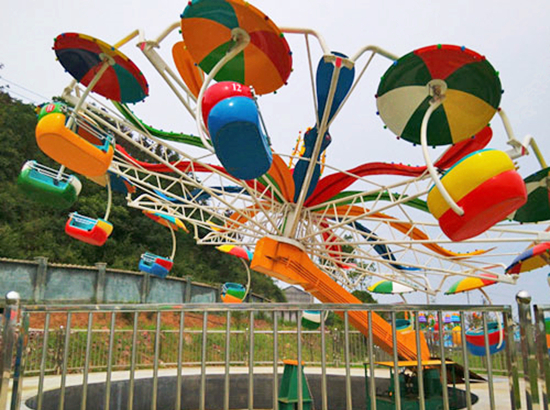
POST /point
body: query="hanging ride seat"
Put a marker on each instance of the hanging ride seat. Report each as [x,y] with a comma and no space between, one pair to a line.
[311,319]
[486,186]
[233,292]
[89,230]
[46,186]
[475,339]
[155,265]
[74,151]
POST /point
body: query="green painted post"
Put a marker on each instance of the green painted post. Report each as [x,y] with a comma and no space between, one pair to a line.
[288,392]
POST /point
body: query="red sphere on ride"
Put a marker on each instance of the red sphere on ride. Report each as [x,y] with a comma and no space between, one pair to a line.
[220,91]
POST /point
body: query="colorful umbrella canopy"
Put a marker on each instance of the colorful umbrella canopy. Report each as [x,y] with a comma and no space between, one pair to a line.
[207,27]
[533,258]
[537,207]
[389,287]
[422,318]
[237,251]
[455,318]
[471,283]
[82,56]
[469,82]
[166,220]
[189,72]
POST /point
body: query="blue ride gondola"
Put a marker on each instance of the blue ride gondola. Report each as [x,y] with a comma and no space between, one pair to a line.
[159,265]
[155,264]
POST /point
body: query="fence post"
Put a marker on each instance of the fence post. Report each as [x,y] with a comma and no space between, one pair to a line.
[40,278]
[188,286]
[145,287]
[528,350]
[100,282]
[9,331]
[544,373]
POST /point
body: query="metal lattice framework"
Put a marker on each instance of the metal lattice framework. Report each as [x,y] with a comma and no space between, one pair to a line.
[377,230]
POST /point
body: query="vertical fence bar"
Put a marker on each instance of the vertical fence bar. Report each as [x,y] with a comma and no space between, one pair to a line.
[20,360]
[251,363]
[419,368]
[110,361]
[275,360]
[396,384]
[40,397]
[511,361]
[372,381]
[86,363]
[156,363]
[64,363]
[202,398]
[9,331]
[133,362]
[489,361]
[347,360]
[324,399]
[300,405]
[544,372]
[180,360]
[465,362]
[227,360]
[527,346]
[445,390]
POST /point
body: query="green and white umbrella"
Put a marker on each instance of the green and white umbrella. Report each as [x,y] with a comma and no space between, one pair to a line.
[388,287]
[468,81]
[537,207]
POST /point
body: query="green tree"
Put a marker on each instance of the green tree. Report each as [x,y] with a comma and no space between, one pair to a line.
[29,229]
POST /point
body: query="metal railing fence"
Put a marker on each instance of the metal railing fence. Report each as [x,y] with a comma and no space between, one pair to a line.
[243,335]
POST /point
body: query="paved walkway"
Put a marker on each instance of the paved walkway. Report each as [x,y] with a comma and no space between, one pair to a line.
[30,384]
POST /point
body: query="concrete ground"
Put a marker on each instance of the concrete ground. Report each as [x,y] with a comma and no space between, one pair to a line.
[501,384]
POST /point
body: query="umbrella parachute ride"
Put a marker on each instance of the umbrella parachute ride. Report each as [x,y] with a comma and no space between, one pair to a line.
[326,230]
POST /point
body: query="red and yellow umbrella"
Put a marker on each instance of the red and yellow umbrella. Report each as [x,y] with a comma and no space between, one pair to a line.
[469,82]
[82,56]
[166,220]
[471,283]
[533,258]
[237,251]
[207,27]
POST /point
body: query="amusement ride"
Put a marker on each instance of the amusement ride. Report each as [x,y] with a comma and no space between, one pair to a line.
[299,216]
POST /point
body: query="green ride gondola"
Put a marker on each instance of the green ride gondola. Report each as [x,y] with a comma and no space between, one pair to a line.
[48,186]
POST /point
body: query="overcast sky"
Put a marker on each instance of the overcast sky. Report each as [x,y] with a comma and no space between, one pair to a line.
[514,36]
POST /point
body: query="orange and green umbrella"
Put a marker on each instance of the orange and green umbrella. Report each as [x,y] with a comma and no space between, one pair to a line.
[535,257]
[469,82]
[472,283]
[82,56]
[207,27]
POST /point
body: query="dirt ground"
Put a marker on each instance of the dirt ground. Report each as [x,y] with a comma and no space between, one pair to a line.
[169,320]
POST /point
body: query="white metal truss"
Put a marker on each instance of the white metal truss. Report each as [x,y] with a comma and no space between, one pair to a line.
[376,231]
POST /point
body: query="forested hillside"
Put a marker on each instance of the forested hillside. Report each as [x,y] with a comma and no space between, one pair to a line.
[29,229]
